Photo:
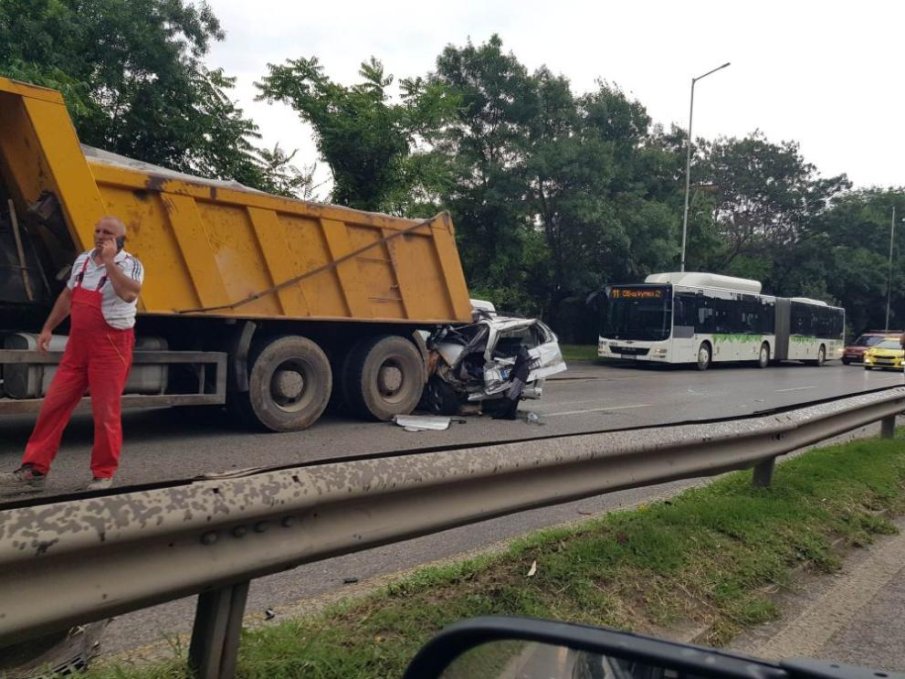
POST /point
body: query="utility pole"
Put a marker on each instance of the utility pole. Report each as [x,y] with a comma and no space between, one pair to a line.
[688,161]
[892,235]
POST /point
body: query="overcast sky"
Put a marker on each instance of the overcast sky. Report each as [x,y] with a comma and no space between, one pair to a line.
[825,74]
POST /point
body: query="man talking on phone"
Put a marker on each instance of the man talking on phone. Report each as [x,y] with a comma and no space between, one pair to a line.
[100,300]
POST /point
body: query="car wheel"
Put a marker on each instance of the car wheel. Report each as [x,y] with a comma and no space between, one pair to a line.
[846,361]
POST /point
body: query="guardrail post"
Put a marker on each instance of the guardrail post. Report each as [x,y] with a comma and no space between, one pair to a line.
[215,634]
[763,472]
[888,427]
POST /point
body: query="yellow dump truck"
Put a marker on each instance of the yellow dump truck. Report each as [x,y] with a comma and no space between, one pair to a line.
[262,303]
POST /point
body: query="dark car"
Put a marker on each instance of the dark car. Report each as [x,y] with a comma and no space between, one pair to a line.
[854,352]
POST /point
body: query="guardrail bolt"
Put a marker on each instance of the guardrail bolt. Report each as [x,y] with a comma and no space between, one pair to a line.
[209,538]
[239,531]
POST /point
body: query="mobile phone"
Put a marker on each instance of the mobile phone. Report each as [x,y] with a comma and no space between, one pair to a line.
[120,242]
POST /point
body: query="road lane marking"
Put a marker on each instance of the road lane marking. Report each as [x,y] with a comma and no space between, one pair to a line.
[596,410]
[795,389]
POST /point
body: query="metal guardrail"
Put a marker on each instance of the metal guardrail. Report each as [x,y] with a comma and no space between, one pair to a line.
[73,562]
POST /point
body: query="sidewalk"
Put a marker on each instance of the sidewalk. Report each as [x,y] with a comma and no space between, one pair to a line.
[854,616]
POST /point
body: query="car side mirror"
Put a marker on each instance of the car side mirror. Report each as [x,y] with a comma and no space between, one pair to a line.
[503,647]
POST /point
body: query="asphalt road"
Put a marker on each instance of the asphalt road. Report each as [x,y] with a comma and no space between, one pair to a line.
[168,444]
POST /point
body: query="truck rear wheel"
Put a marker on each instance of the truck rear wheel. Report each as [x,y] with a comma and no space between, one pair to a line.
[383,376]
[289,383]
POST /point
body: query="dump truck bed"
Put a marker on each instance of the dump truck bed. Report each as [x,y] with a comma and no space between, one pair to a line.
[213,248]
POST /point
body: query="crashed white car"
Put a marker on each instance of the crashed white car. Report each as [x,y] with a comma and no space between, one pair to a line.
[471,364]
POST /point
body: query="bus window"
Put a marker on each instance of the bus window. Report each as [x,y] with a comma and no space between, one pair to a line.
[639,314]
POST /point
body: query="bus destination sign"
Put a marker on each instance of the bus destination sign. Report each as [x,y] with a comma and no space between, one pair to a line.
[636,293]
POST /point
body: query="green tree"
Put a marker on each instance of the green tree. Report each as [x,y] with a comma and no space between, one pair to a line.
[485,149]
[134,80]
[365,138]
[851,243]
[765,198]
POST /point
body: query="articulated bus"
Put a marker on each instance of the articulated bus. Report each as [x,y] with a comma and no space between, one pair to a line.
[700,318]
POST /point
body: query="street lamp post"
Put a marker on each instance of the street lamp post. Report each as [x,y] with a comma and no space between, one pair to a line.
[892,235]
[688,159]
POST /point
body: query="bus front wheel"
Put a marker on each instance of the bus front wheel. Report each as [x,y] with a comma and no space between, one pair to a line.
[705,356]
[763,359]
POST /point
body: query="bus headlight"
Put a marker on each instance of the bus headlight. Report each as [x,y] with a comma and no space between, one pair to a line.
[659,352]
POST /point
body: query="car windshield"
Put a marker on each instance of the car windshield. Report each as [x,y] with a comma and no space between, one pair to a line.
[867,341]
[888,344]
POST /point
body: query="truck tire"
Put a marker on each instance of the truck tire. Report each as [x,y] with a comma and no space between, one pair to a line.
[383,376]
[289,383]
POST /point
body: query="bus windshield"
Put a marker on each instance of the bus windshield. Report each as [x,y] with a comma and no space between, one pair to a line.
[638,313]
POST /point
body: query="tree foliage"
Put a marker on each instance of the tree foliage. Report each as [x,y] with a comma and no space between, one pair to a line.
[364,137]
[134,79]
[554,193]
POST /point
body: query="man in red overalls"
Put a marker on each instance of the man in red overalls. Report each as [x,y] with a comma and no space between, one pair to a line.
[100,299]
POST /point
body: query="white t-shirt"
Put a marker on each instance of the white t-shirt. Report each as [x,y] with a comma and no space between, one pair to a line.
[117,312]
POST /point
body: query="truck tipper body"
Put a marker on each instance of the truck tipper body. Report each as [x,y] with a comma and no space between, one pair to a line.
[266,304]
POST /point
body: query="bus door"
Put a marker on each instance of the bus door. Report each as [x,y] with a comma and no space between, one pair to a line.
[783,328]
[683,345]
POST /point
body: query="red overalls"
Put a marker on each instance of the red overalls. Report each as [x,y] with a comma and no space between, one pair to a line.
[97,358]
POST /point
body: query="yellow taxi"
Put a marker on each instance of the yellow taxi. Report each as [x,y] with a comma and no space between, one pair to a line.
[886,355]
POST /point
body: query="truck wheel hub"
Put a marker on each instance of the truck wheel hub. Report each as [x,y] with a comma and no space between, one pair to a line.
[390,378]
[288,384]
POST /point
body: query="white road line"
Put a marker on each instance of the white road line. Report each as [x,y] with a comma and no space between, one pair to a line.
[795,389]
[595,410]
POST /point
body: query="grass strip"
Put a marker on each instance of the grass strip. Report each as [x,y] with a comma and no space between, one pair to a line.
[706,557]
[578,352]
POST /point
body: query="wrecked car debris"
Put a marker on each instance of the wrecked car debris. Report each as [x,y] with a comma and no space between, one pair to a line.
[424,422]
[479,363]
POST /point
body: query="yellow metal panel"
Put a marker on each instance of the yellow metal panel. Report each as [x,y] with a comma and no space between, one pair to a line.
[168,283]
[279,261]
[75,186]
[237,257]
[406,304]
[196,251]
[376,271]
[32,91]
[23,169]
[306,246]
[246,253]
[419,275]
[348,272]
[451,267]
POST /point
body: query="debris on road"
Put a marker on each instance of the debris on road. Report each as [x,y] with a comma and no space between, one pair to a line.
[425,422]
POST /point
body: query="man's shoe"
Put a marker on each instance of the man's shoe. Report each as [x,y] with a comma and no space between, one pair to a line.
[24,480]
[100,484]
